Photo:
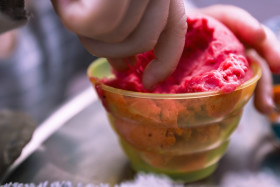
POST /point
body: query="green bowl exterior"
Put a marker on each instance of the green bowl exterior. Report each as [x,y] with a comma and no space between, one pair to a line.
[180,135]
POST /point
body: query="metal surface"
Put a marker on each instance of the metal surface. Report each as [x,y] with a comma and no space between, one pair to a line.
[52,124]
[86,150]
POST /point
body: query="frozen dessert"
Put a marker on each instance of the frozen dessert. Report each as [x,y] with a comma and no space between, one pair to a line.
[181,135]
[213,59]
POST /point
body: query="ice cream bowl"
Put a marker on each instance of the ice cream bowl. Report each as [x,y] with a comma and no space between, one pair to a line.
[180,135]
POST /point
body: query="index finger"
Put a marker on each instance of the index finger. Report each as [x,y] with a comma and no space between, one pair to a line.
[169,47]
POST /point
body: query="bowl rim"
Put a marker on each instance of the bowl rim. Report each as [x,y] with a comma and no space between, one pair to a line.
[256,70]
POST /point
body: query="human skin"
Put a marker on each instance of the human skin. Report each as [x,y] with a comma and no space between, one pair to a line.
[124,17]
[98,29]
[262,45]
[213,59]
[118,29]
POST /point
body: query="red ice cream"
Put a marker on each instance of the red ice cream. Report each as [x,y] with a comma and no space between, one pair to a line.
[213,59]
[183,136]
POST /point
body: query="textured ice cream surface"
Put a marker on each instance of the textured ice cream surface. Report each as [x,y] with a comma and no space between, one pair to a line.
[213,60]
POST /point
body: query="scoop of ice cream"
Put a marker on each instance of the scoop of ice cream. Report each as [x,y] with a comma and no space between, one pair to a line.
[213,59]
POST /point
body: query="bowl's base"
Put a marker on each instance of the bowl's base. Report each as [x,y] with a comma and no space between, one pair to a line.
[180,176]
[141,166]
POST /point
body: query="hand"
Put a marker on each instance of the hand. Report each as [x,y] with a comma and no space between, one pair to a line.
[265,48]
[120,29]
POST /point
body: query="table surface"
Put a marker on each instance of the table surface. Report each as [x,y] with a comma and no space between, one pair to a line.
[86,150]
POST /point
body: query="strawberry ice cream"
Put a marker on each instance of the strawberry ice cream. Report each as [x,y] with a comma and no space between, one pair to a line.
[213,59]
[181,135]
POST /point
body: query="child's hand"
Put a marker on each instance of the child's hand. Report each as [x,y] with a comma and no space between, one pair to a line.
[263,44]
[120,29]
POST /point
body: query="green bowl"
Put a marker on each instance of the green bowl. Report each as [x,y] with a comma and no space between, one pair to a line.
[180,135]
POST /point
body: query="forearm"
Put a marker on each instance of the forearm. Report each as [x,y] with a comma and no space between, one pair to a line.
[12,14]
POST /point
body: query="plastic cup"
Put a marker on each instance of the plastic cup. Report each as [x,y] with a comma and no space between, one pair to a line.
[179,135]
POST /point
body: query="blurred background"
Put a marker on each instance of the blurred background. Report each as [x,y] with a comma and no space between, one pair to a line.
[260,9]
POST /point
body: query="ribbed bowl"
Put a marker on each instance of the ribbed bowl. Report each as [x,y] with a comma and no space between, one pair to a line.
[180,135]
